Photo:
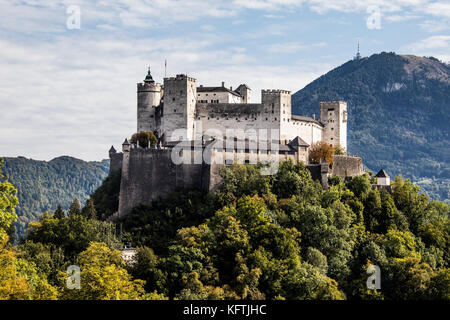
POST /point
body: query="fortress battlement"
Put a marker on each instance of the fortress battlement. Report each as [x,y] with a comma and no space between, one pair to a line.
[275,91]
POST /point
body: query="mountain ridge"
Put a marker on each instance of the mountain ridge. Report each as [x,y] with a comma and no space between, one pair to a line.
[398,114]
[42,185]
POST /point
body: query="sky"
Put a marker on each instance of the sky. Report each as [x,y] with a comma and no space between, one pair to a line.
[68,69]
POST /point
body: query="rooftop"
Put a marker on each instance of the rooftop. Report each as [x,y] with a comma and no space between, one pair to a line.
[382,174]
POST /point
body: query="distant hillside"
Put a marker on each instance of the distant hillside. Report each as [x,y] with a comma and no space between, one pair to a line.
[43,185]
[399,115]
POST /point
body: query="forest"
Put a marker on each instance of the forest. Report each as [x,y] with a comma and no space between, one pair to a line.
[279,237]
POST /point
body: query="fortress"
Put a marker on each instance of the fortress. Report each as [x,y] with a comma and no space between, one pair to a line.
[208,127]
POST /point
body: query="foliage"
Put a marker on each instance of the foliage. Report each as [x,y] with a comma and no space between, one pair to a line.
[8,203]
[256,237]
[73,233]
[104,277]
[321,152]
[106,197]
[42,186]
[146,139]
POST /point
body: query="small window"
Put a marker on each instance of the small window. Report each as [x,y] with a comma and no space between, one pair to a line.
[173,99]
[332,128]
[174,110]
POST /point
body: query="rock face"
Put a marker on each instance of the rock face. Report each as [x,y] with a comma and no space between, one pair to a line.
[399,111]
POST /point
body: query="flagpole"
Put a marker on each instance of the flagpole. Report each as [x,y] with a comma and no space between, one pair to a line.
[165,68]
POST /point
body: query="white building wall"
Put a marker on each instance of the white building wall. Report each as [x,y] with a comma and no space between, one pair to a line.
[218,97]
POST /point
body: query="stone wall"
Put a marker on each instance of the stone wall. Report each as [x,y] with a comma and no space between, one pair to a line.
[150,174]
[347,166]
[115,161]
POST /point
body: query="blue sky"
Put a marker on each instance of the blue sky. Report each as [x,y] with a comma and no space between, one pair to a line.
[73,91]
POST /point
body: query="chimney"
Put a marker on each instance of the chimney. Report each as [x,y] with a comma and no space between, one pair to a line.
[314,116]
[223,83]
[231,88]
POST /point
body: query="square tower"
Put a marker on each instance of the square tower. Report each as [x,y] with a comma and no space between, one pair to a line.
[277,110]
[178,118]
[333,114]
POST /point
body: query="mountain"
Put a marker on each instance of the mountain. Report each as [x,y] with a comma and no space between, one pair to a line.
[43,185]
[399,115]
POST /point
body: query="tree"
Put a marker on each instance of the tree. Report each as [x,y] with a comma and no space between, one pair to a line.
[360,186]
[75,207]
[73,233]
[20,279]
[338,150]
[8,203]
[320,152]
[103,277]
[144,138]
[89,210]
[146,268]
[59,213]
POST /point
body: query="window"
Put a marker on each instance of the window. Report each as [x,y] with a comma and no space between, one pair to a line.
[174,110]
[332,128]
[173,99]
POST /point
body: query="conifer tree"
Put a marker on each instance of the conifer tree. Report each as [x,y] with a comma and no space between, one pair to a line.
[75,207]
[59,213]
[89,210]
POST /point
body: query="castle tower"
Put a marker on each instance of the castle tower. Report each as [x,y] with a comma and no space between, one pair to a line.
[148,99]
[334,116]
[180,98]
[245,92]
[277,111]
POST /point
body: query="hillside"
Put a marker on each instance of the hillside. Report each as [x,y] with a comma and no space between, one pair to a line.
[43,185]
[398,115]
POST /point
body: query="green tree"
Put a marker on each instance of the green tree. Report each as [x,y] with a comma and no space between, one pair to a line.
[89,210]
[75,207]
[8,203]
[103,277]
[59,213]
[144,138]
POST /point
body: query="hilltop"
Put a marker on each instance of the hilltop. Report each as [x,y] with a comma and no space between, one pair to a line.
[42,185]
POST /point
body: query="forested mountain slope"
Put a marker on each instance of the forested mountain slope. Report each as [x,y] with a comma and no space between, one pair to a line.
[43,185]
[399,115]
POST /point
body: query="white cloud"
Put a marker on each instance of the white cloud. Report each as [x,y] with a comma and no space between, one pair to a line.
[435,25]
[434,42]
[441,9]
[293,47]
